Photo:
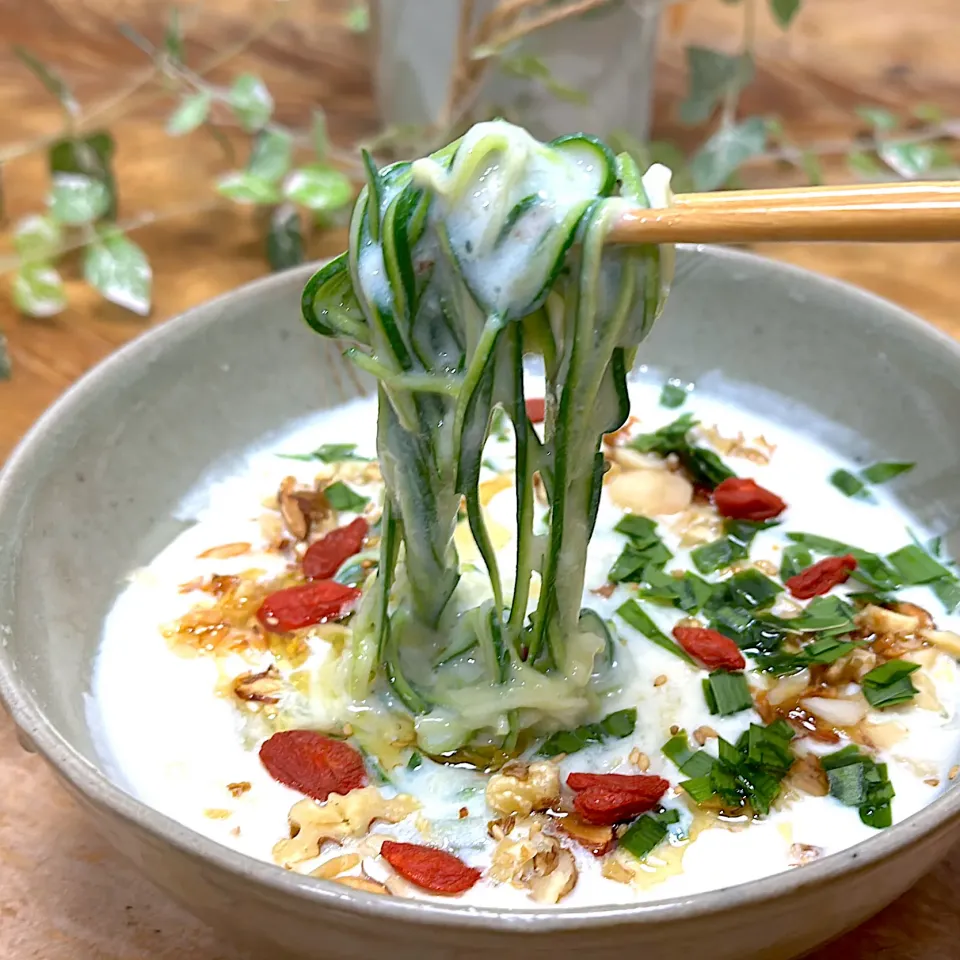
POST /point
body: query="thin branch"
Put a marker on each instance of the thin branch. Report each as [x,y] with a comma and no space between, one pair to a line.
[461,62]
[527,26]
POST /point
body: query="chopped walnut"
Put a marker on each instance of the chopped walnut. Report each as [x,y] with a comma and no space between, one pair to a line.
[520,788]
[944,640]
[808,776]
[614,869]
[593,837]
[912,610]
[651,493]
[337,818]
[758,450]
[879,620]
[527,857]
[295,518]
[362,883]
[852,668]
[804,853]
[263,687]
[239,788]
[336,865]
[699,524]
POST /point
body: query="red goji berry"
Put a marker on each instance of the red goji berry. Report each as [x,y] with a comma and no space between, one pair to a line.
[712,649]
[536,409]
[744,499]
[323,558]
[822,577]
[313,764]
[430,868]
[606,798]
[306,604]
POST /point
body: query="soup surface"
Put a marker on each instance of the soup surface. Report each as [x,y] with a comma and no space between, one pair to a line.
[743,656]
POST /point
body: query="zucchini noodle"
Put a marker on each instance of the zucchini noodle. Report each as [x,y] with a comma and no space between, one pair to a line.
[461,266]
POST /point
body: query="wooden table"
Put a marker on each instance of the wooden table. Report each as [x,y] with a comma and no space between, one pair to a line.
[63,894]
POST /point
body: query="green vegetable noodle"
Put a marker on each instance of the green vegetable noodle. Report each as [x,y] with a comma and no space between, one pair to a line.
[462,265]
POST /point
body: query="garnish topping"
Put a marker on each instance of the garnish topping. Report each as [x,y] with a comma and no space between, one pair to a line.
[744,499]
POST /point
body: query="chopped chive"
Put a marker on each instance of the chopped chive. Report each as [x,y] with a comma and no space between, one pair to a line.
[647,832]
[824,615]
[886,471]
[415,761]
[751,589]
[614,726]
[700,789]
[633,560]
[635,616]
[947,590]
[796,558]
[819,544]
[916,566]
[329,453]
[641,530]
[342,497]
[672,395]
[691,763]
[849,485]
[889,684]
[717,555]
[726,693]
[859,782]
[704,466]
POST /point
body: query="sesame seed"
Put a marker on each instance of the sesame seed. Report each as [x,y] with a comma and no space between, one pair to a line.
[660,681]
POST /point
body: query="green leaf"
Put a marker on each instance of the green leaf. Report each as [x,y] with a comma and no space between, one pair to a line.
[672,395]
[173,38]
[824,615]
[691,763]
[342,497]
[285,238]
[91,156]
[76,198]
[192,111]
[318,133]
[711,75]
[863,164]
[726,150]
[329,453]
[796,558]
[889,684]
[908,160]
[38,290]
[947,590]
[882,121]
[647,832]
[635,616]
[534,68]
[37,237]
[849,485]
[784,11]
[49,78]
[250,102]
[119,269]
[884,472]
[270,155]
[614,726]
[726,693]
[246,188]
[318,188]
[915,566]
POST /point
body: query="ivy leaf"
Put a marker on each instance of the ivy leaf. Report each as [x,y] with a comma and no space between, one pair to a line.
[530,67]
[251,102]
[192,112]
[318,133]
[270,156]
[908,160]
[243,187]
[928,112]
[729,147]
[37,238]
[318,188]
[712,74]
[49,78]
[91,156]
[784,11]
[38,290]
[119,269]
[173,38]
[5,365]
[883,121]
[863,165]
[285,238]
[76,198]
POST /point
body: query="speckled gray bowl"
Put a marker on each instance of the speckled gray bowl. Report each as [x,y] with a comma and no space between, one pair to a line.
[88,496]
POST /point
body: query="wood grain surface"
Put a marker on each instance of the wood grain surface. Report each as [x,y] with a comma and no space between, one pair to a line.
[63,894]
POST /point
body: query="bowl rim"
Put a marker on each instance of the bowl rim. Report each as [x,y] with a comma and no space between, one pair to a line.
[99,790]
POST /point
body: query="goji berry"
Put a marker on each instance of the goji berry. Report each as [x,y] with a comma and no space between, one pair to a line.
[313,764]
[430,868]
[744,499]
[536,409]
[607,798]
[712,649]
[822,577]
[323,558]
[306,604]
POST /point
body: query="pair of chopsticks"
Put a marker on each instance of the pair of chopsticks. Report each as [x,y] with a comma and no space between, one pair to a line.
[874,213]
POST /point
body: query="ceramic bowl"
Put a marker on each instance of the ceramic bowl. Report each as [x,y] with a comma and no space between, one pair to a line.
[89,495]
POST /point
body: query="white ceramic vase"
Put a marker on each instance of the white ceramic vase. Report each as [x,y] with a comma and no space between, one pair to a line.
[607,55]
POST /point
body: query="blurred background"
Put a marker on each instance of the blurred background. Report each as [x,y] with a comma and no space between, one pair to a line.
[154,155]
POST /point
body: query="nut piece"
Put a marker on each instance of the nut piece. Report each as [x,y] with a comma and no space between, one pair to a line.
[295,518]
[879,620]
[362,883]
[946,640]
[225,551]
[803,853]
[553,887]
[336,865]
[337,818]
[808,776]
[263,687]
[651,493]
[521,789]
[595,838]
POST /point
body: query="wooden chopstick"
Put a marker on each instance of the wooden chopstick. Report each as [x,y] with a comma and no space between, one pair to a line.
[875,213]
